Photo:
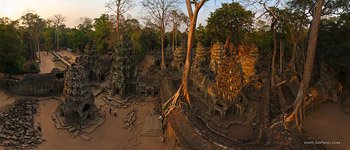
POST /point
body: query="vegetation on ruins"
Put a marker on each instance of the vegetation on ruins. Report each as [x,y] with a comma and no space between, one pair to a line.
[160,12]
[300,36]
[193,12]
[232,21]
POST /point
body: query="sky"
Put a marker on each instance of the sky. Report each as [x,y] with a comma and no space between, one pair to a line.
[75,9]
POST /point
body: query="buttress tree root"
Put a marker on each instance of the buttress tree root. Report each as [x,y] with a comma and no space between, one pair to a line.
[298,112]
[173,102]
[297,115]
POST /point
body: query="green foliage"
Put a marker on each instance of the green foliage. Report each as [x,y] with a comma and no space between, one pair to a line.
[103,37]
[203,36]
[334,42]
[11,50]
[48,36]
[34,26]
[229,20]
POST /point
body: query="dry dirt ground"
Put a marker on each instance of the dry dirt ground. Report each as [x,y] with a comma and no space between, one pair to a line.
[46,64]
[110,136]
[329,124]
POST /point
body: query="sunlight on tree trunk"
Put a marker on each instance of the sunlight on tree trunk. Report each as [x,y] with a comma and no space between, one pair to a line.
[183,89]
[298,112]
[281,56]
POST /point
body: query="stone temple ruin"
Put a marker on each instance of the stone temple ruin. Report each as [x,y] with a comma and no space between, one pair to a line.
[217,54]
[201,59]
[77,106]
[179,60]
[121,72]
[219,85]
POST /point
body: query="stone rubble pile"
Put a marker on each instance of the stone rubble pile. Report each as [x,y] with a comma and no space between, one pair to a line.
[17,128]
[130,118]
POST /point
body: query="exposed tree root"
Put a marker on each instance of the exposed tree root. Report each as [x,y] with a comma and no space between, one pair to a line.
[297,116]
[275,124]
[173,102]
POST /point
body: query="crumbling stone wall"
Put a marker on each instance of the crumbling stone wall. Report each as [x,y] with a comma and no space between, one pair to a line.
[36,84]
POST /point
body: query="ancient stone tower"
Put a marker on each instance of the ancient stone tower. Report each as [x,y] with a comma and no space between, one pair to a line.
[217,53]
[201,58]
[248,56]
[178,58]
[77,105]
[229,80]
[121,67]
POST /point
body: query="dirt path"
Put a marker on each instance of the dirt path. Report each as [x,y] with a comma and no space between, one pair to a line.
[328,123]
[46,64]
[110,136]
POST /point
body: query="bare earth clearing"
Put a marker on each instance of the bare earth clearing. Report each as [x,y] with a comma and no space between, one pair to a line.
[110,136]
[328,123]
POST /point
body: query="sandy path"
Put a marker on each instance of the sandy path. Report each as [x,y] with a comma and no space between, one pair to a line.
[329,123]
[110,136]
[46,64]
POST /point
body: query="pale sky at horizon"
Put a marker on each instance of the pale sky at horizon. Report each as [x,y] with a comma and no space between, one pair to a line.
[75,9]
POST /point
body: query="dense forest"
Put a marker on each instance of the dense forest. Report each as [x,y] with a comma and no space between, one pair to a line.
[287,26]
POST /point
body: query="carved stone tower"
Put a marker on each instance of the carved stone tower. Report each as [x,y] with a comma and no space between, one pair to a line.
[77,105]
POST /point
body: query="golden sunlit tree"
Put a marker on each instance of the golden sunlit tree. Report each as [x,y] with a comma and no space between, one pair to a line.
[193,7]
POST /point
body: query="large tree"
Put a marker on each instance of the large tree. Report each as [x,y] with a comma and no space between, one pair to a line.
[58,21]
[119,8]
[298,112]
[11,49]
[193,8]
[159,11]
[103,38]
[231,20]
[34,25]
[176,18]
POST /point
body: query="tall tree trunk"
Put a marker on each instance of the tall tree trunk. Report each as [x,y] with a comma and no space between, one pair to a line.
[292,61]
[173,42]
[281,56]
[31,49]
[298,111]
[38,48]
[183,89]
[227,42]
[162,66]
[274,43]
[118,17]
[57,40]
[187,67]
